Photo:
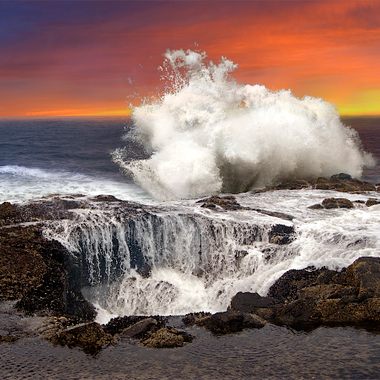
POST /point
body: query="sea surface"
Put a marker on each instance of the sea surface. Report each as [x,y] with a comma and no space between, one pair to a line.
[41,157]
[66,156]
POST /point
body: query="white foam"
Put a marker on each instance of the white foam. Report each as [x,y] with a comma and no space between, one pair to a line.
[20,183]
[208,134]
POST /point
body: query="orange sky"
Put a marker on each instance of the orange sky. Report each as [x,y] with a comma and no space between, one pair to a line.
[93,58]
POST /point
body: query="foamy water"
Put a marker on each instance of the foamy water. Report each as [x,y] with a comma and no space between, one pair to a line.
[208,134]
[21,184]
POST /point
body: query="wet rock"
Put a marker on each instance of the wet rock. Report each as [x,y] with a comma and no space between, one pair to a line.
[341,177]
[140,329]
[194,318]
[337,203]
[281,234]
[167,337]
[331,203]
[230,322]
[339,182]
[226,202]
[364,274]
[275,214]
[88,336]
[119,325]
[35,271]
[287,287]
[372,202]
[248,302]
[314,297]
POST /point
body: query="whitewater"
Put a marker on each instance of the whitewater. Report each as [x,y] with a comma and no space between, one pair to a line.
[209,134]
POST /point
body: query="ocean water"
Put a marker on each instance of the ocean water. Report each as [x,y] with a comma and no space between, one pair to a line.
[42,157]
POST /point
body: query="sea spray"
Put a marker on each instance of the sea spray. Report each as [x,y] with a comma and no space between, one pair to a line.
[209,134]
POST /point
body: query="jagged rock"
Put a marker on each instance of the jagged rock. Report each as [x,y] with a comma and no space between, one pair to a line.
[281,234]
[33,270]
[88,336]
[372,202]
[287,287]
[311,298]
[167,337]
[364,274]
[230,321]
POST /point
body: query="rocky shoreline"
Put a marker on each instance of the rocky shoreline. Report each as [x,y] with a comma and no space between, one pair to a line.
[41,278]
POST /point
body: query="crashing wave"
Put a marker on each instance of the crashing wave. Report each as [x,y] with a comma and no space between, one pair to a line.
[209,134]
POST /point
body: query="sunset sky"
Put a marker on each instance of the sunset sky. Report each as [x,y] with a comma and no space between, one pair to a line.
[63,58]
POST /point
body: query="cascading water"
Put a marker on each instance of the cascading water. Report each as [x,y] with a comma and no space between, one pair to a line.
[178,258]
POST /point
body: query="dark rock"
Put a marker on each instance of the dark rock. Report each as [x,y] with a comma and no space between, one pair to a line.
[8,338]
[316,207]
[341,177]
[312,298]
[167,337]
[281,234]
[194,318]
[35,271]
[105,198]
[329,203]
[250,302]
[222,202]
[364,274]
[119,325]
[230,322]
[372,202]
[340,182]
[287,287]
[275,214]
[140,329]
[88,336]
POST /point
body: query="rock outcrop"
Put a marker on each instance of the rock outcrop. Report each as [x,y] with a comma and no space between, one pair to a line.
[307,298]
[340,182]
